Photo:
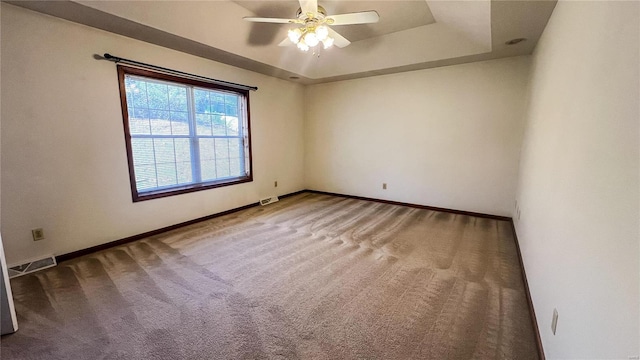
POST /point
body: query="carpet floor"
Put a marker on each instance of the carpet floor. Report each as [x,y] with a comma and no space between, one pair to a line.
[310,277]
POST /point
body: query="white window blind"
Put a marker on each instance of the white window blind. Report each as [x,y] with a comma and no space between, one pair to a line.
[183,135]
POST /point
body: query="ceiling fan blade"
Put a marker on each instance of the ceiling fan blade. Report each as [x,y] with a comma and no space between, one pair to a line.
[338,40]
[270,20]
[364,17]
[285,42]
[309,6]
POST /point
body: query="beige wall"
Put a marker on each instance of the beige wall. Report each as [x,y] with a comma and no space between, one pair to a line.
[8,322]
[579,181]
[64,165]
[446,137]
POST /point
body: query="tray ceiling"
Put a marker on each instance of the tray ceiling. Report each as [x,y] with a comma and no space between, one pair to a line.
[410,35]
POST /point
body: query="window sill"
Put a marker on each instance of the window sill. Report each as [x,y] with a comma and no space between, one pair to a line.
[150,195]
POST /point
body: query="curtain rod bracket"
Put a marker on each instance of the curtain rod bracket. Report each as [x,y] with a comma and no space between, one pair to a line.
[111,57]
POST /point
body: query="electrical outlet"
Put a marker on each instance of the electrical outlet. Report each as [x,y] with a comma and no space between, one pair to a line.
[275,183]
[554,321]
[384,186]
[38,234]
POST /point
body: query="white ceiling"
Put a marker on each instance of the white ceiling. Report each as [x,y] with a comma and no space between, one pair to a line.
[410,35]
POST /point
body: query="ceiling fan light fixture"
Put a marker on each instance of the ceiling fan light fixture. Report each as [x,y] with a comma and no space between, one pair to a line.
[328,42]
[303,46]
[311,39]
[314,25]
[306,38]
[322,32]
[294,35]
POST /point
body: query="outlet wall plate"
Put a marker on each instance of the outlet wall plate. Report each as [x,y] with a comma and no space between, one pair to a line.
[37,234]
[554,321]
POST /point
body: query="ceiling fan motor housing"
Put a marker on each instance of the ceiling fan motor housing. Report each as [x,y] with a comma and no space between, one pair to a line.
[321,11]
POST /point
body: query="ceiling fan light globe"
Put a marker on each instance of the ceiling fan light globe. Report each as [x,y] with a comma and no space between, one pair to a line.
[328,42]
[322,32]
[302,46]
[294,35]
[311,39]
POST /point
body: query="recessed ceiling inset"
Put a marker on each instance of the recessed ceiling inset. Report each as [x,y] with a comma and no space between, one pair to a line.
[410,35]
[394,15]
[313,26]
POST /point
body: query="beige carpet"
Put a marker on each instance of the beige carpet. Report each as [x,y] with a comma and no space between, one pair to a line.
[310,277]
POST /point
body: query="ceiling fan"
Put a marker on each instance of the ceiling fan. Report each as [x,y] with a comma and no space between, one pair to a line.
[315,25]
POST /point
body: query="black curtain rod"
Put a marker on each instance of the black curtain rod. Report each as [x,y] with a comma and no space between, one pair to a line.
[137,63]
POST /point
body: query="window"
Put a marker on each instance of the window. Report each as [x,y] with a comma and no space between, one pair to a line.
[183,135]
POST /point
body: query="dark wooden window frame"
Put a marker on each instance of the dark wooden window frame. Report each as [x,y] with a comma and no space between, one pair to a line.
[184,188]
